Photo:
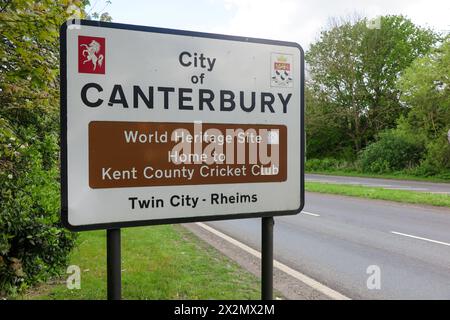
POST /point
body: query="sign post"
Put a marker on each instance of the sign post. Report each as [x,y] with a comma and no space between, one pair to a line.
[113,264]
[267,258]
[162,126]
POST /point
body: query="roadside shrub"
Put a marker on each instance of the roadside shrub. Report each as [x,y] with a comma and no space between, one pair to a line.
[394,151]
[33,246]
[437,159]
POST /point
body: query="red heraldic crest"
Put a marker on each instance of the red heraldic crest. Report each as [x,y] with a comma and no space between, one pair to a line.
[91,55]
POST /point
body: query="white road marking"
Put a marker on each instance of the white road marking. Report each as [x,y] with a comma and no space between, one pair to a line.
[311,214]
[420,238]
[303,278]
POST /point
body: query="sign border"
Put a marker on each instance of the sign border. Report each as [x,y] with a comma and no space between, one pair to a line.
[137,223]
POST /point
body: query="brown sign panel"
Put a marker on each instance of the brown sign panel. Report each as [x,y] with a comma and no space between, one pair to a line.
[139,154]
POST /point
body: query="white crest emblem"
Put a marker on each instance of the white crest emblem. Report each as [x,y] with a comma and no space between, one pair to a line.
[281,73]
[90,53]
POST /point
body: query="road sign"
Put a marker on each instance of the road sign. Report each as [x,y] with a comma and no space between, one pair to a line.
[167,126]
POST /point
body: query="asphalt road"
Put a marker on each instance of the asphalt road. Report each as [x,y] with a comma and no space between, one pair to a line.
[335,239]
[421,186]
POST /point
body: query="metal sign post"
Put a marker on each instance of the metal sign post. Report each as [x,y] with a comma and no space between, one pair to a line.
[267,258]
[113,258]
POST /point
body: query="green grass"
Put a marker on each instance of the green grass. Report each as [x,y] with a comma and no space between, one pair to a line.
[160,262]
[380,193]
[398,176]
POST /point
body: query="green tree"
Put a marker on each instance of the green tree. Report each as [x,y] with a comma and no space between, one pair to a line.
[323,136]
[425,88]
[33,245]
[354,70]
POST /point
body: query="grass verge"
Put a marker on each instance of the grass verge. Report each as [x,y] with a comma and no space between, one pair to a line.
[161,262]
[380,193]
[393,176]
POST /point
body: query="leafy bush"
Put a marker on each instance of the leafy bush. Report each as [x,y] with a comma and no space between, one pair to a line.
[394,151]
[33,246]
[425,89]
[437,159]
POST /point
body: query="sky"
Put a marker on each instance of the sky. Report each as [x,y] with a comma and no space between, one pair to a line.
[292,20]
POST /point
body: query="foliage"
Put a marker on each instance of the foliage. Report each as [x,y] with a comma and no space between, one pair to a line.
[353,72]
[367,81]
[425,88]
[437,159]
[101,15]
[324,137]
[394,151]
[33,245]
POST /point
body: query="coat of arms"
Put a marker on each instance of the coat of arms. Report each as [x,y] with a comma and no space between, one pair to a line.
[281,75]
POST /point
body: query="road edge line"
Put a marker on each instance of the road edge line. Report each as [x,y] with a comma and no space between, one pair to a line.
[333,294]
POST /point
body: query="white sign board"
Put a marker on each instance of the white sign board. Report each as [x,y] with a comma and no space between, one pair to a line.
[167,126]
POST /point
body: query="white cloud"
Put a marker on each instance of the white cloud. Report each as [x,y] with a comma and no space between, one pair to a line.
[301,20]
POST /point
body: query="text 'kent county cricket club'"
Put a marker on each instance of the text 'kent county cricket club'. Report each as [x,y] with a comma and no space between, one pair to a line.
[128,96]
